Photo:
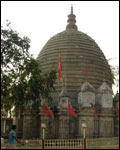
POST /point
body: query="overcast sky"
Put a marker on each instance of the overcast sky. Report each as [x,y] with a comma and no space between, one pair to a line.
[40,20]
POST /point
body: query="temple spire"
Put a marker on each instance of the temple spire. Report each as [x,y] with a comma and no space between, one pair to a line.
[71,20]
[71,9]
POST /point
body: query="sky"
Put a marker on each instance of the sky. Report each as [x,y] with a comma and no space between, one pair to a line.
[40,20]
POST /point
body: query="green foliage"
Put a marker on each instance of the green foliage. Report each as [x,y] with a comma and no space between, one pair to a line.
[22,84]
[114,71]
[14,51]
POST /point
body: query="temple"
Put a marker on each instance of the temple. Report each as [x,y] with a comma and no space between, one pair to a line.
[78,51]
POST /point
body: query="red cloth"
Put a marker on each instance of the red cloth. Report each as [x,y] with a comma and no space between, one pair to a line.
[95,114]
[63,79]
[59,69]
[47,111]
[103,75]
[71,111]
[117,109]
[85,71]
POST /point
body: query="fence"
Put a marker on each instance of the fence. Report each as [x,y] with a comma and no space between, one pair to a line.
[95,143]
[28,144]
[48,144]
[103,143]
[64,144]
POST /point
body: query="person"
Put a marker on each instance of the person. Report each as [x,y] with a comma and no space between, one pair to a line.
[13,138]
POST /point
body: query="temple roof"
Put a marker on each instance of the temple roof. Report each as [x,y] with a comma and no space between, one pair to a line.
[87,87]
[78,51]
[104,88]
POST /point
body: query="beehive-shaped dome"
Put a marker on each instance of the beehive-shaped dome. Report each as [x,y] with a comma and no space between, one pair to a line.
[78,51]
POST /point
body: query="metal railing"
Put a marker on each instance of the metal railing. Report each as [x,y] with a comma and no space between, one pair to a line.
[48,144]
[92,143]
[63,144]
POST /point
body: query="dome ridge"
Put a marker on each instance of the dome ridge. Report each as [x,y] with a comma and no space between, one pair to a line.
[78,50]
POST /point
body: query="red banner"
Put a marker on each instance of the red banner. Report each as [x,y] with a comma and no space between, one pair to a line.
[47,111]
[71,110]
[85,71]
[59,69]
[117,109]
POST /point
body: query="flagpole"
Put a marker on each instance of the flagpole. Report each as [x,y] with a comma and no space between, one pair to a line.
[85,74]
[43,101]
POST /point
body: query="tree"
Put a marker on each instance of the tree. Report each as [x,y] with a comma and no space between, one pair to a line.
[114,71]
[14,57]
[21,79]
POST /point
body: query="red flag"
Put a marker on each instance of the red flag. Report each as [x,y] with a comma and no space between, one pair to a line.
[71,111]
[117,109]
[103,75]
[63,79]
[19,114]
[95,114]
[47,111]
[85,71]
[59,69]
